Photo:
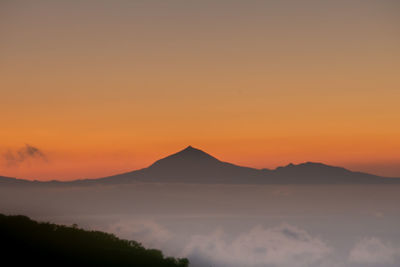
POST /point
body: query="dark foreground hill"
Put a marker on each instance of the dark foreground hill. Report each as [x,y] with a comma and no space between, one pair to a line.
[26,242]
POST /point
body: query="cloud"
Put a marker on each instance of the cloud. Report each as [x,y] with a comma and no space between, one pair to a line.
[373,251]
[149,233]
[15,158]
[284,245]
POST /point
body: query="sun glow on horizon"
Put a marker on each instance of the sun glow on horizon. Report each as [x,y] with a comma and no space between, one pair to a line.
[108,87]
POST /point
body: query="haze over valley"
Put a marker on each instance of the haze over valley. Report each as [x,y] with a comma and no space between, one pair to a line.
[225,220]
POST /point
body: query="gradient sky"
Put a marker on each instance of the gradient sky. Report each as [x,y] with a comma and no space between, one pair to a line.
[102,87]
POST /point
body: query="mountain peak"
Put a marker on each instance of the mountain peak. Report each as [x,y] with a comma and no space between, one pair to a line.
[189,155]
[190,148]
[192,153]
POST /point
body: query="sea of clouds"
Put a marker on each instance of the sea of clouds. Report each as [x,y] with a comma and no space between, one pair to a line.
[283,245]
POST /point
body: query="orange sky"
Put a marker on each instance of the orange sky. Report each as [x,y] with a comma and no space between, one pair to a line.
[103,87]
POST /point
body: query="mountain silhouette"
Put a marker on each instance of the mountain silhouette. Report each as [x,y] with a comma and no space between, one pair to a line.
[192,165]
[188,158]
[10,180]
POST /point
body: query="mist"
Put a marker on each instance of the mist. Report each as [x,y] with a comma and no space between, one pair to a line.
[230,225]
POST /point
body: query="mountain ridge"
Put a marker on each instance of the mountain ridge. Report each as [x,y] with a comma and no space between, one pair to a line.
[192,165]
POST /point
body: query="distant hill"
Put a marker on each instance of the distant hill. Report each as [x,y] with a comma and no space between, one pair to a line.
[10,180]
[193,165]
[26,242]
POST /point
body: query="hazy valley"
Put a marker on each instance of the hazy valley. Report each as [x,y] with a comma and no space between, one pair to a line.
[230,223]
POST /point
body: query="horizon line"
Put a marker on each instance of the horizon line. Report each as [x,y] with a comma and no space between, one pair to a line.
[188,147]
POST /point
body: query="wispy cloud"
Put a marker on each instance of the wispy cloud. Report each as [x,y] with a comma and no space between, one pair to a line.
[15,158]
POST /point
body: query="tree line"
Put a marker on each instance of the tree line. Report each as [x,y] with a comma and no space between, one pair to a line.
[27,242]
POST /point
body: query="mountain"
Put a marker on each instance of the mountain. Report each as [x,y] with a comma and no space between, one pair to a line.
[192,165]
[318,173]
[10,180]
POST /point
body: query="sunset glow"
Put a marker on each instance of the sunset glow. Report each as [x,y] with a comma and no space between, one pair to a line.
[105,88]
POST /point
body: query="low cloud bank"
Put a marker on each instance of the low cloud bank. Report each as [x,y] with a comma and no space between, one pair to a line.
[149,233]
[284,245]
[374,252]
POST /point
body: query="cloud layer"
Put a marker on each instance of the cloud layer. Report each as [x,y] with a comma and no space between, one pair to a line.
[284,245]
[148,232]
[374,252]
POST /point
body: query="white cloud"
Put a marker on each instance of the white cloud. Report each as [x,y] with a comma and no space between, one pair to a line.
[149,233]
[374,251]
[284,245]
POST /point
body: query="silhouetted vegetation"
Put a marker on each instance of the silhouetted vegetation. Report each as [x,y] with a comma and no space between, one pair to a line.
[27,242]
